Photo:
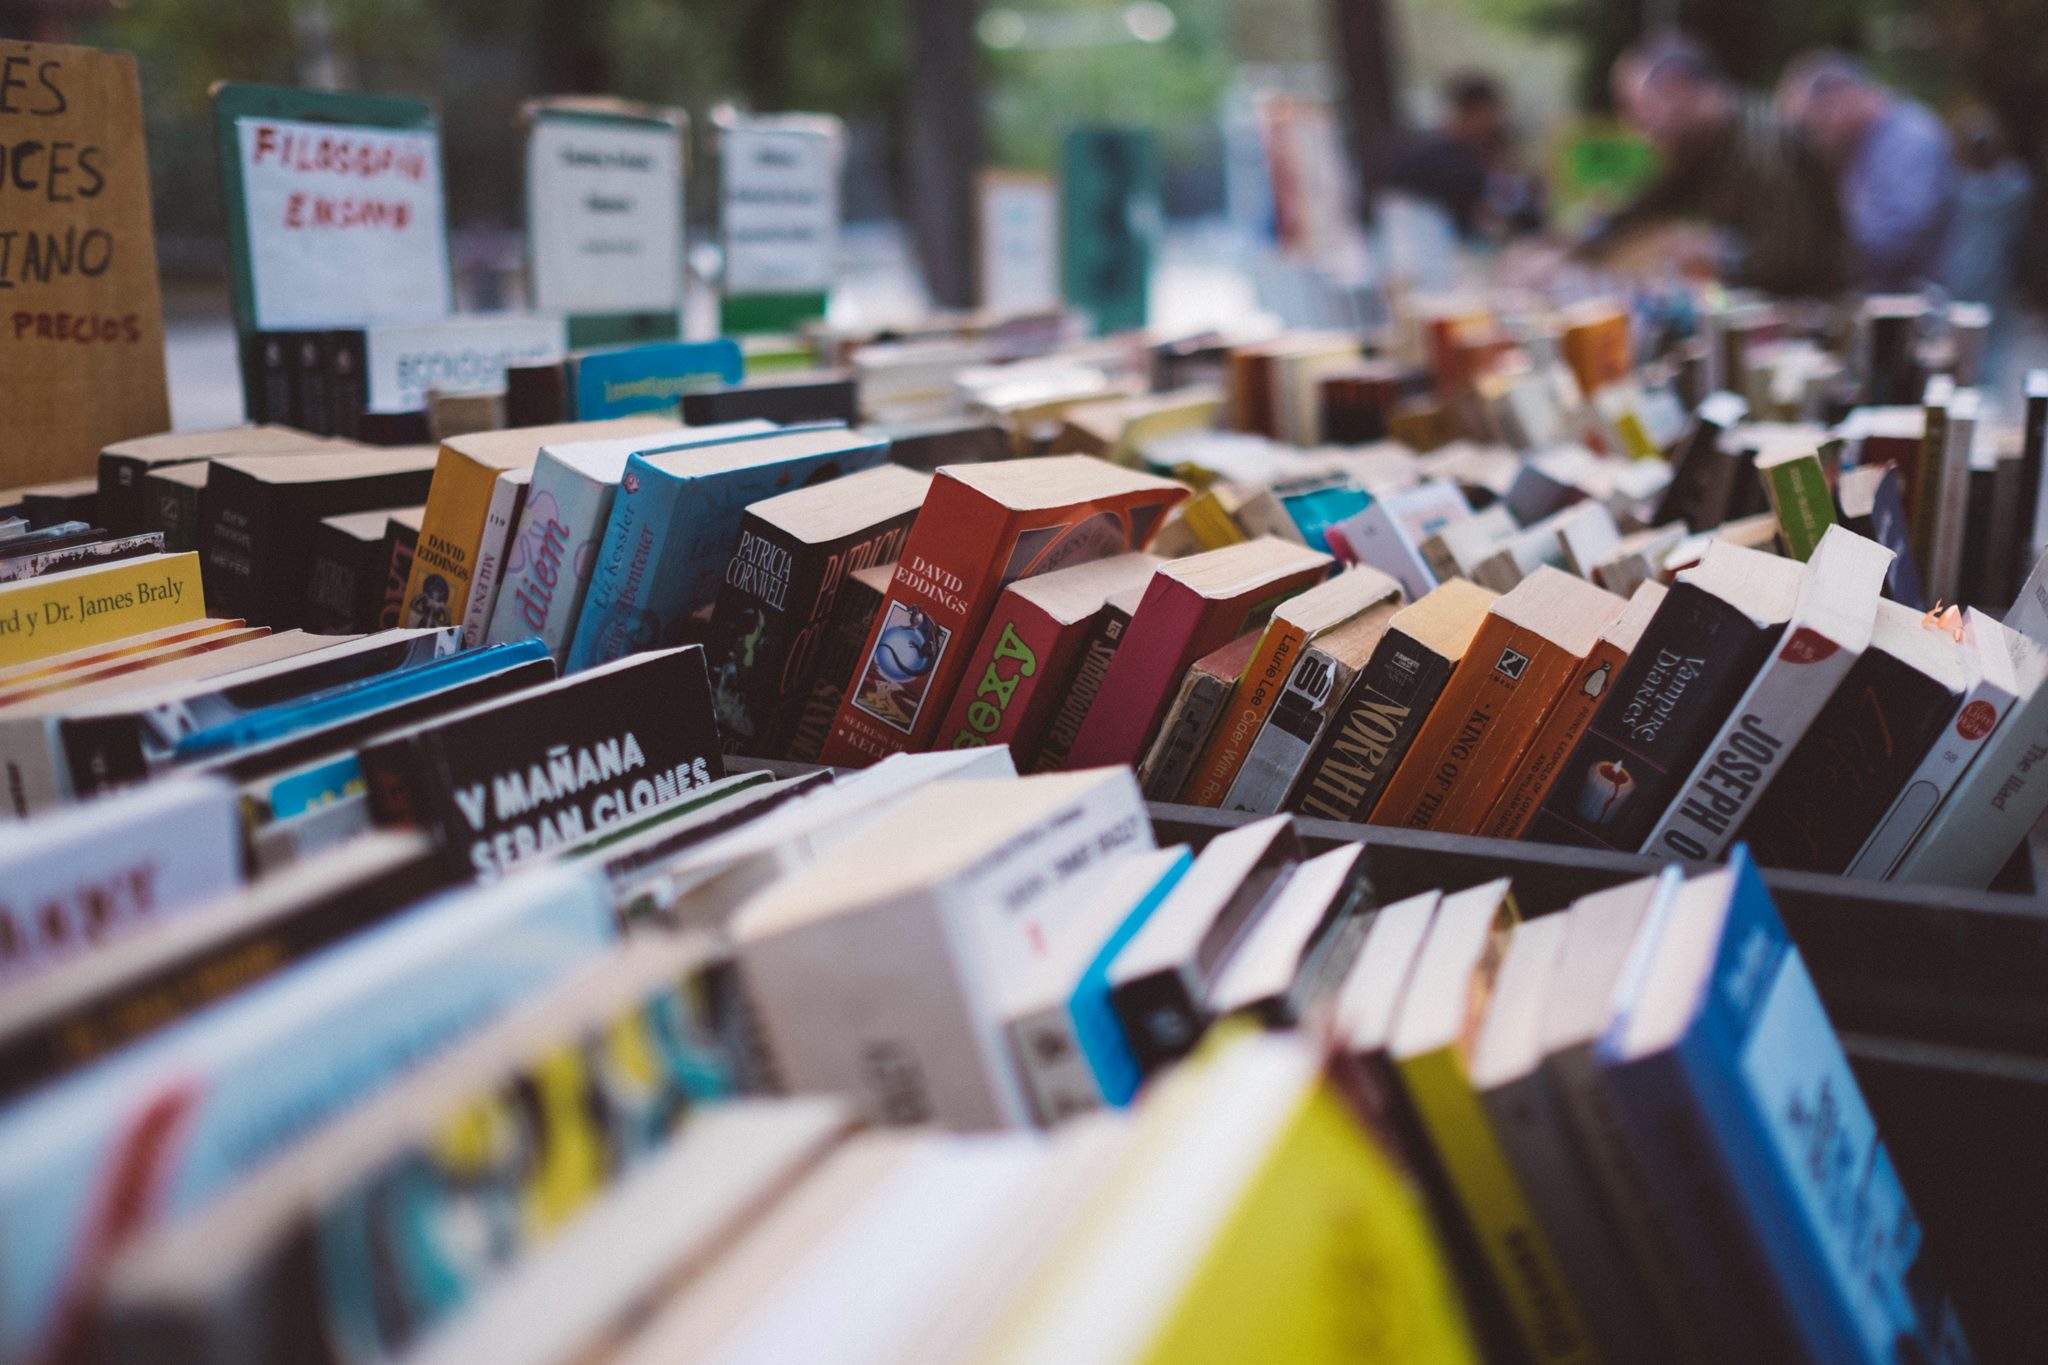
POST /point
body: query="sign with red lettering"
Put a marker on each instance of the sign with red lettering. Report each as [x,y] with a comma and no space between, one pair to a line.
[81,315]
[345,223]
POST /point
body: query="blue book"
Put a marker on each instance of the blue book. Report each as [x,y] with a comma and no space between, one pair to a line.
[1735,1092]
[1316,511]
[676,521]
[651,378]
[338,705]
[162,1126]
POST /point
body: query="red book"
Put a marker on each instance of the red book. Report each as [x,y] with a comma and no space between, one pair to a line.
[982,528]
[1193,605]
[1016,675]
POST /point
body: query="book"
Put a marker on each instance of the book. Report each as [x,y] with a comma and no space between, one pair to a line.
[1391,698]
[463,485]
[875,976]
[1534,640]
[787,400]
[1923,475]
[402,540]
[514,777]
[1637,558]
[1460,546]
[239,1082]
[171,496]
[78,608]
[125,465]
[796,552]
[1084,685]
[86,554]
[1307,705]
[1288,965]
[351,571]
[1716,627]
[508,500]
[1700,477]
[1992,686]
[1161,982]
[854,610]
[84,664]
[1855,758]
[1872,506]
[1798,490]
[1389,533]
[647,378]
[676,522]
[1559,732]
[1431,1048]
[982,527]
[552,551]
[1720,1055]
[932,444]
[1951,494]
[1062,1029]
[1029,649]
[89,875]
[259,512]
[212,943]
[1196,711]
[1830,627]
[1293,625]
[1191,607]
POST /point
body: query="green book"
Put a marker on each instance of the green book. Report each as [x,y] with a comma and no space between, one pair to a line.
[1797,487]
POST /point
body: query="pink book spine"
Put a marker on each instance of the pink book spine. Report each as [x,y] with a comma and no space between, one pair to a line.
[1166,635]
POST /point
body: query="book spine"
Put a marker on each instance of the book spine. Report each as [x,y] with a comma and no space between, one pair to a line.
[1554,740]
[344,352]
[313,395]
[1056,1072]
[1163,1015]
[2033,450]
[613,622]
[813,620]
[839,655]
[1958,746]
[508,501]
[395,555]
[119,508]
[1009,679]
[2002,797]
[1083,689]
[1799,498]
[1292,729]
[1375,726]
[80,556]
[1951,514]
[1265,675]
[1922,489]
[1165,636]
[266,377]
[548,560]
[40,617]
[1192,718]
[334,589]
[458,501]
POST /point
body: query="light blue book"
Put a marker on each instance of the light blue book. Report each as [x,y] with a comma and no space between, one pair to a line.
[676,521]
[1735,1093]
[1316,511]
[651,378]
[160,1127]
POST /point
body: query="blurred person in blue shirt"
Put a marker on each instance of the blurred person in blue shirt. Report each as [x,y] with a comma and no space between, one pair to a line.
[1897,175]
[1994,200]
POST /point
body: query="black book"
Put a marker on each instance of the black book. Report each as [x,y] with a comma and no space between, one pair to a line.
[1699,470]
[536,395]
[1977,575]
[312,393]
[2033,447]
[1160,982]
[1084,684]
[60,535]
[171,501]
[516,777]
[69,500]
[839,658]
[1892,338]
[1872,505]
[348,379]
[395,428]
[84,1009]
[789,401]
[350,580]
[401,541]
[267,377]
[928,445]
[1698,654]
[125,466]
[79,555]
[1844,773]
[259,514]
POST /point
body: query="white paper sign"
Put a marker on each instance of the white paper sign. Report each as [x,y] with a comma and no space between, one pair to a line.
[458,355]
[606,216]
[781,210]
[1020,244]
[345,223]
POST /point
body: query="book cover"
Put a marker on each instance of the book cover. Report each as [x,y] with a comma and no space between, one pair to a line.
[82,556]
[1800,500]
[171,497]
[1697,493]
[1196,711]
[1873,506]
[647,379]
[1389,701]
[982,527]
[1083,685]
[854,610]
[76,608]
[125,465]
[676,521]
[795,553]
[1389,533]
[515,777]
[1856,757]
[1921,479]
[508,500]
[1700,652]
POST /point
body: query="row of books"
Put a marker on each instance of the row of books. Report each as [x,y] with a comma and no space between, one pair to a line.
[754,1074]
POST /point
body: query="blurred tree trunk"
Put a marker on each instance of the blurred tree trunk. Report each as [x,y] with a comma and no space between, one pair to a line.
[572,48]
[1367,64]
[945,145]
[764,53]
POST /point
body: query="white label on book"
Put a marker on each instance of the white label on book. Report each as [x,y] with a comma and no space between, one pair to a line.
[781,210]
[605,214]
[345,223]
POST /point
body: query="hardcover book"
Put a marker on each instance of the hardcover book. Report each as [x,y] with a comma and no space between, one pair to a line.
[676,522]
[1715,629]
[515,777]
[982,528]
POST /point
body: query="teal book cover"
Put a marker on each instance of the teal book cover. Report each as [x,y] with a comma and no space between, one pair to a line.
[651,378]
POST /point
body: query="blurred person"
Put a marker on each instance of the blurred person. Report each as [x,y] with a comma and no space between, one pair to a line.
[1465,167]
[1981,255]
[1729,161]
[1896,175]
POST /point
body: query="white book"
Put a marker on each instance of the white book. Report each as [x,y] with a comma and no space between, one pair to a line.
[1992,685]
[508,496]
[1586,534]
[1265,965]
[78,877]
[1945,555]
[1831,625]
[1390,532]
[875,969]
[1456,550]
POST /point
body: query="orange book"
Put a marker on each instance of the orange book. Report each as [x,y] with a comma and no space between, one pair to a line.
[1561,729]
[1533,642]
[1596,345]
[1293,624]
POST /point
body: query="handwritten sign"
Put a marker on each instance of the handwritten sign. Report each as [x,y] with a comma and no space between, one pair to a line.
[81,315]
[345,223]
[781,203]
[1020,243]
[605,213]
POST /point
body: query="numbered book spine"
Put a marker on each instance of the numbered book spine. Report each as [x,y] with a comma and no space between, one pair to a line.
[1293,728]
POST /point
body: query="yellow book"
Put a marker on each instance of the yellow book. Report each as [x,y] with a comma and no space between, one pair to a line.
[1259,1220]
[1205,515]
[78,608]
[1431,1050]
[459,500]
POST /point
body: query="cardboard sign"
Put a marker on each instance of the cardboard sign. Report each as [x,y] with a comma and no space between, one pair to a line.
[604,196]
[780,177]
[1020,243]
[334,208]
[81,316]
